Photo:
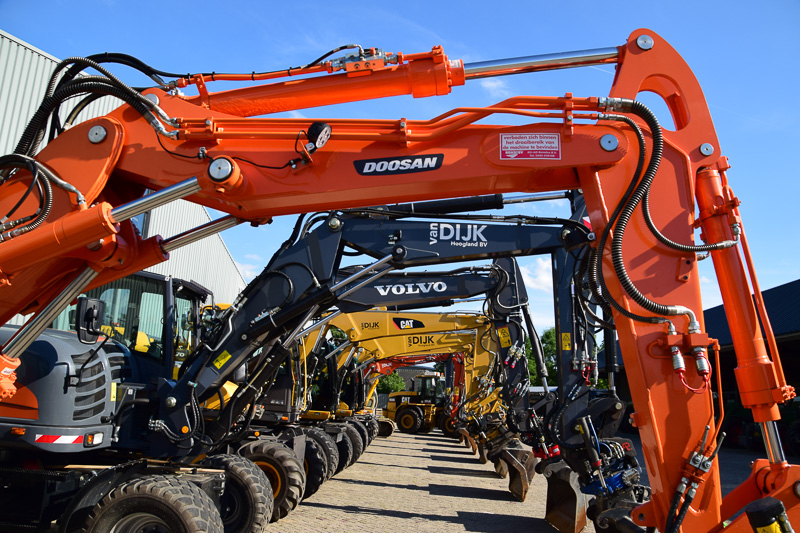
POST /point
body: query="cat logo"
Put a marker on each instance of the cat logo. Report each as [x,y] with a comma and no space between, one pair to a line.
[407,323]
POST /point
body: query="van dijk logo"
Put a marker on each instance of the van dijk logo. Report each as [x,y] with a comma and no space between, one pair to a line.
[466,235]
[398,165]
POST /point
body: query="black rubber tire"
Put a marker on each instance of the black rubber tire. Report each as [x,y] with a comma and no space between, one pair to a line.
[374,427]
[328,447]
[409,420]
[315,466]
[247,503]
[448,426]
[284,471]
[358,443]
[162,501]
[345,446]
[362,431]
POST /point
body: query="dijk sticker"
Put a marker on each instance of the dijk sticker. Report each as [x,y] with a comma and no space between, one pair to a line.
[530,146]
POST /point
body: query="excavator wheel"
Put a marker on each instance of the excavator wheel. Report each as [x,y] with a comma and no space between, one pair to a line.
[448,426]
[315,465]
[358,443]
[362,431]
[284,471]
[328,447]
[155,503]
[345,446]
[387,427]
[374,427]
[247,503]
[409,420]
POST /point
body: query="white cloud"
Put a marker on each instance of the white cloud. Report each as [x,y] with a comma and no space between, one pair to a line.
[249,271]
[253,257]
[496,88]
[538,275]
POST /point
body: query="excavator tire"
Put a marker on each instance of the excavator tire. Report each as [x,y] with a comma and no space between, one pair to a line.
[284,471]
[247,504]
[315,465]
[328,447]
[358,443]
[409,420]
[448,426]
[362,431]
[165,503]
[345,447]
[374,427]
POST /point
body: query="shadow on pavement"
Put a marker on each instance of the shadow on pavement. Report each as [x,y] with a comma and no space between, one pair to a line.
[471,521]
[450,471]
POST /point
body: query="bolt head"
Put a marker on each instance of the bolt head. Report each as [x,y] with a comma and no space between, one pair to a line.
[609,143]
[334,223]
[97,134]
[645,42]
[220,169]
[706,149]
[152,97]
[170,402]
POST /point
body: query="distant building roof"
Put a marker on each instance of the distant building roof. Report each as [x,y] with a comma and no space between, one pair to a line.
[782,306]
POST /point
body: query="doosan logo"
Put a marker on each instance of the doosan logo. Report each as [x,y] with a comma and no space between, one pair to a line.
[398,165]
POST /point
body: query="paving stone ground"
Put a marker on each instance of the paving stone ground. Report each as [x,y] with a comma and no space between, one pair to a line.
[421,483]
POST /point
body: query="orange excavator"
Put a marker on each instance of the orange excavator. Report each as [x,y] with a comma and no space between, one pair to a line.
[67,227]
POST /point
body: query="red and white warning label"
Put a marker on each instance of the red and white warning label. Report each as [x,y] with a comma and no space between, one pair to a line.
[530,146]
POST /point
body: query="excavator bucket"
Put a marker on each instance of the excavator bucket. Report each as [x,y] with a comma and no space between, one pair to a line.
[521,469]
[469,442]
[386,427]
[566,504]
[501,467]
[482,454]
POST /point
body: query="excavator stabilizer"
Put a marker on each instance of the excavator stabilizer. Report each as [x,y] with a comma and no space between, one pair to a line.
[521,469]
[566,505]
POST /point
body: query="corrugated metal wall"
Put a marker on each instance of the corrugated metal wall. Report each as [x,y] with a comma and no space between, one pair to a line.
[24,74]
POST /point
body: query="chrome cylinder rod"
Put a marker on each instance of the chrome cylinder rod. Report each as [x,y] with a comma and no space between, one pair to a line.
[200,232]
[537,63]
[20,342]
[772,442]
[319,324]
[158,198]
[359,274]
[535,198]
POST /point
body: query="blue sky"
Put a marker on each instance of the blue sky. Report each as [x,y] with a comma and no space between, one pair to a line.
[744,58]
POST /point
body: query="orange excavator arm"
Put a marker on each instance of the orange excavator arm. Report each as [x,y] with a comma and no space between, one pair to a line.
[255,168]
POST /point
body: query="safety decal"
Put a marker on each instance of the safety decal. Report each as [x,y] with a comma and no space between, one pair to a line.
[505,336]
[59,439]
[222,359]
[566,342]
[530,146]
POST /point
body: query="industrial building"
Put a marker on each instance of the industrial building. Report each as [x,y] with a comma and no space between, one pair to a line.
[24,75]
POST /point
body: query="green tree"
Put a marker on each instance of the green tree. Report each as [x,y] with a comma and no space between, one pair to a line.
[391,383]
[550,353]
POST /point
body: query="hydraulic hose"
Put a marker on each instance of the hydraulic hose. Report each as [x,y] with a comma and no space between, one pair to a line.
[33,132]
[626,213]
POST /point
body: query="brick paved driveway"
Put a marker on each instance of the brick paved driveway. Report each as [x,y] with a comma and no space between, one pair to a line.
[418,483]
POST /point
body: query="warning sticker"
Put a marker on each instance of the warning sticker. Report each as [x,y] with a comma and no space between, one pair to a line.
[530,146]
[222,359]
[566,342]
[505,336]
